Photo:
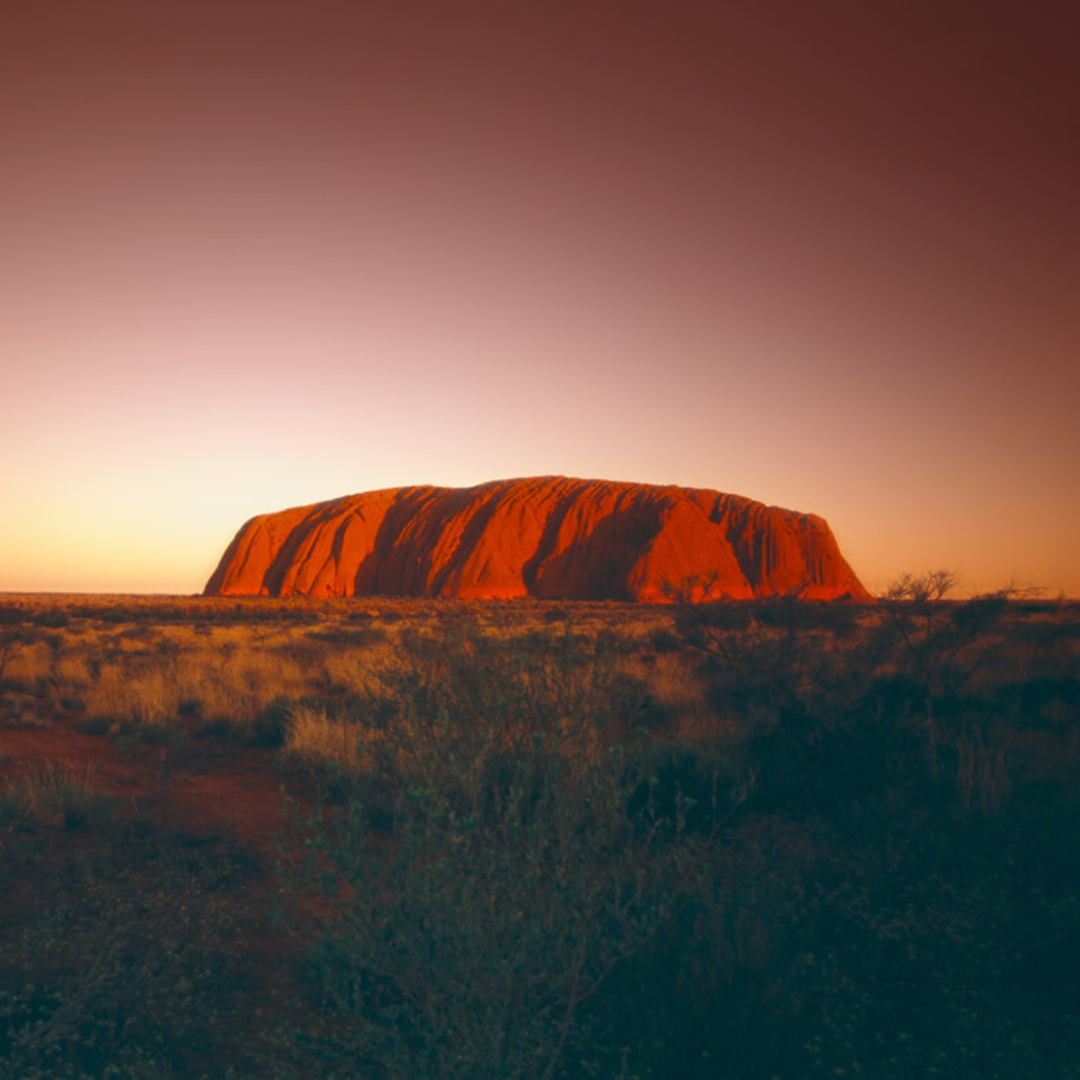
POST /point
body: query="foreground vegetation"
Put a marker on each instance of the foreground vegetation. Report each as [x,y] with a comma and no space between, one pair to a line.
[529,840]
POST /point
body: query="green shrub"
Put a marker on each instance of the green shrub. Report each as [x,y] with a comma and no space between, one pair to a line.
[125,967]
[476,940]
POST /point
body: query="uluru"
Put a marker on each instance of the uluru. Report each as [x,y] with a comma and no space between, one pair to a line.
[546,537]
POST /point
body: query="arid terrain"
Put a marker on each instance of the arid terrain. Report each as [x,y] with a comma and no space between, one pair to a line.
[412,838]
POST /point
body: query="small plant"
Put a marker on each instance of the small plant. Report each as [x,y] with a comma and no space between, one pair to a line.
[13,639]
[53,796]
[319,742]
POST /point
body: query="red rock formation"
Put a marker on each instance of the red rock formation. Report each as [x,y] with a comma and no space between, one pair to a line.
[548,537]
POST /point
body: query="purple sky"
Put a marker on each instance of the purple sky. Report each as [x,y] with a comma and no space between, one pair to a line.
[826,255]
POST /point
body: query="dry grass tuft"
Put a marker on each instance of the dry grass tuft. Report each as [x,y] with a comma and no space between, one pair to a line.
[316,741]
[149,701]
[53,795]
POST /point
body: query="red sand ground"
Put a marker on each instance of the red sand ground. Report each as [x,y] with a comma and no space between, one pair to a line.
[200,788]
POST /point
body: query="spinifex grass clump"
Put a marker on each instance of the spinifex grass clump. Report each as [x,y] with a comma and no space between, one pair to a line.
[53,795]
[322,743]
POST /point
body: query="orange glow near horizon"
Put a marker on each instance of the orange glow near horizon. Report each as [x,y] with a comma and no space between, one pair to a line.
[257,256]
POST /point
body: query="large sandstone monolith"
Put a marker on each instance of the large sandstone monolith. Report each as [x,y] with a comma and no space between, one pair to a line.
[548,537]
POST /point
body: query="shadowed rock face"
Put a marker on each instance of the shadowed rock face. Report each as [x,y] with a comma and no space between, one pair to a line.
[549,537]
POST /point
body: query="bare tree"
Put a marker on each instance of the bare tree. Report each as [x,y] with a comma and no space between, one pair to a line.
[943,645]
[694,588]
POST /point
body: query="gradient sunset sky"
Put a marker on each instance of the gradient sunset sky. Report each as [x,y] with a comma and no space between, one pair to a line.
[823,254]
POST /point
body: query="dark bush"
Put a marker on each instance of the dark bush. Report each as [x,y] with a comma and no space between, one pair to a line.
[350,637]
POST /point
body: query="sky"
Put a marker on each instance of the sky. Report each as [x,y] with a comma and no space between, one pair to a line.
[256,255]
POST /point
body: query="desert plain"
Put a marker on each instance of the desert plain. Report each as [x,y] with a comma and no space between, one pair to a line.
[380,837]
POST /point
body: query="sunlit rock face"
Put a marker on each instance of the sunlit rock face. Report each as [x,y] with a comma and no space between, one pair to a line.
[547,537]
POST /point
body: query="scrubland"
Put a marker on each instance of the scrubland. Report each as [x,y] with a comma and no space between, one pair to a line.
[539,840]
